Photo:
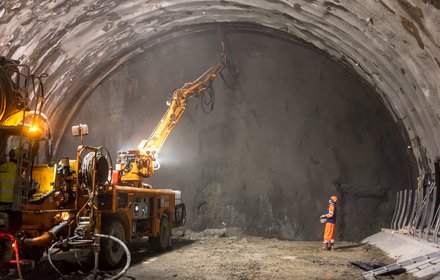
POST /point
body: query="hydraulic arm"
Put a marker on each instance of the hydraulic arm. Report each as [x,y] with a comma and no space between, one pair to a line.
[141,163]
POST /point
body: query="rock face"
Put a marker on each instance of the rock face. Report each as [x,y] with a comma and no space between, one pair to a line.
[290,127]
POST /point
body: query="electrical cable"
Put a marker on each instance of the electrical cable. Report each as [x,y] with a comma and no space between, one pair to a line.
[208,103]
[156,164]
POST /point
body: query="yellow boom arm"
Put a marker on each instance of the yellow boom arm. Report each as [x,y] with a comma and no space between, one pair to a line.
[141,163]
[176,108]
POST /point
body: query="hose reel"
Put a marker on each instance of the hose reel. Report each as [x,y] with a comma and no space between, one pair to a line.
[99,161]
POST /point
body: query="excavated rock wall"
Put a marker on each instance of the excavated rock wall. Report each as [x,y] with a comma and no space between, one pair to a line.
[290,127]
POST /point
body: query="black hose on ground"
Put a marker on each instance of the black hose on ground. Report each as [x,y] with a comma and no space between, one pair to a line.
[50,258]
[77,242]
[127,252]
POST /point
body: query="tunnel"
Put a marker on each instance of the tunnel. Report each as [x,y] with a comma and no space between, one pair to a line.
[318,98]
[285,133]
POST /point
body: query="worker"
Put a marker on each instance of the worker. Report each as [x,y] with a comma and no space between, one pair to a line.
[329,218]
[7,177]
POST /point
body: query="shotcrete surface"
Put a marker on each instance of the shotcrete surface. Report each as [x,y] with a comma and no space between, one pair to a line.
[392,45]
[289,128]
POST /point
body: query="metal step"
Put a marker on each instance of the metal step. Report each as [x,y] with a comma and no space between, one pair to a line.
[399,265]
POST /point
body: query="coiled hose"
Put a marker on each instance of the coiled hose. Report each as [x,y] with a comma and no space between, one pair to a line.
[127,253]
[77,242]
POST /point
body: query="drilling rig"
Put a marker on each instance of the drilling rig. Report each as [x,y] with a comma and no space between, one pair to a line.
[82,202]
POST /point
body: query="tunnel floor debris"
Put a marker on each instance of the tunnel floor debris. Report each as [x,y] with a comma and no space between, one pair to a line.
[228,254]
[220,256]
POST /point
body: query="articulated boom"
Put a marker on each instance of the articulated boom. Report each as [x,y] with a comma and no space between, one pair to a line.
[141,163]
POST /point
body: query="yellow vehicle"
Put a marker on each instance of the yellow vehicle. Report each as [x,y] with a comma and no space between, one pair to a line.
[81,202]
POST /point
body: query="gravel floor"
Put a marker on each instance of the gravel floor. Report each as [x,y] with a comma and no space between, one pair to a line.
[220,254]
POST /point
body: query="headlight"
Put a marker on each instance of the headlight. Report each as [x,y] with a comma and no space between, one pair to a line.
[65,216]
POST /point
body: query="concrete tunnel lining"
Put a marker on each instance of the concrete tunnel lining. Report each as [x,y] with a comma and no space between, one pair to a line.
[273,148]
[392,45]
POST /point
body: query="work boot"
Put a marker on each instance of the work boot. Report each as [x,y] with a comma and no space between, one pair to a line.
[332,246]
[325,246]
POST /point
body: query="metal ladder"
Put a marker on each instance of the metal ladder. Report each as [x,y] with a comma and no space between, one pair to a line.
[399,265]
[23,178]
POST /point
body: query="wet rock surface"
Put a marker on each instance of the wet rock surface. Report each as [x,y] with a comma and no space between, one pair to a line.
[294,129]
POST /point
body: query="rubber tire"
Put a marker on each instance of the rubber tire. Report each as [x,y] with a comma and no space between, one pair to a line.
[111,253]
[163,241]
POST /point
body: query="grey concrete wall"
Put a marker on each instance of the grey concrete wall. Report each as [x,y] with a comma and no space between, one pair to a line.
[297,129]
[392,44]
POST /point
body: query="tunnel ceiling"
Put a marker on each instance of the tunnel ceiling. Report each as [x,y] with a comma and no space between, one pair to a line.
[392,45]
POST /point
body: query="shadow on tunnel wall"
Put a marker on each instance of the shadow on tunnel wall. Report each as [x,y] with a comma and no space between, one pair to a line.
[296,129]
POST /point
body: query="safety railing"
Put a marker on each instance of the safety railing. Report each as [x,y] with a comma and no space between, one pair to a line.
[417,213]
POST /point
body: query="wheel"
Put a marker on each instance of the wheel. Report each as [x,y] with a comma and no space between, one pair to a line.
[163,241]
[111,253]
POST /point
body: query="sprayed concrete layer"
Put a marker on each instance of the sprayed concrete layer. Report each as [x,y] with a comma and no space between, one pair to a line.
[294,129]
[393,45]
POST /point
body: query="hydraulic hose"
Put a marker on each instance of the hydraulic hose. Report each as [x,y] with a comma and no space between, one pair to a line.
[78,242]
[54,231]
[50,258]
[127,252]
[46,237]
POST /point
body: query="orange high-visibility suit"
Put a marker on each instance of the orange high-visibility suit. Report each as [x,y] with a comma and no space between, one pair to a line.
[330,215]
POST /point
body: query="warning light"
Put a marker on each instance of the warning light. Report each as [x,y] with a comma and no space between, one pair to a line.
[34,129]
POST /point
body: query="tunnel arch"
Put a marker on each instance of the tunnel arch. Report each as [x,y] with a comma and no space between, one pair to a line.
[243,165]
[392,45]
